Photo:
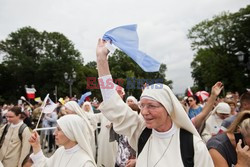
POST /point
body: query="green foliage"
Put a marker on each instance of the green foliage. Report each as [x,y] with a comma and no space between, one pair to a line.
[217,42]
[38,58]
[124,68]
[41,58]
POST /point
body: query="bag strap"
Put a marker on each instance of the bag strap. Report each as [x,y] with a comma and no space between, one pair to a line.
[143,139]
[186,145]
[187,148]
[5,130]
[20,131]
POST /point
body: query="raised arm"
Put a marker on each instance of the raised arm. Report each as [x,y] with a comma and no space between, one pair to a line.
[101,58]
[216,89]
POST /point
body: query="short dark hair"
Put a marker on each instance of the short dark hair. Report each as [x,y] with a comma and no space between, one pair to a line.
[16,110]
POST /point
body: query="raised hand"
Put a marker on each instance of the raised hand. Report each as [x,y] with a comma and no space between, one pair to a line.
[101,50]
[216,89]
[101,58]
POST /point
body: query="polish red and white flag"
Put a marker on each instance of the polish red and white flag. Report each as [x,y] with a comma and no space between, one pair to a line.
[189,92]
[30,92]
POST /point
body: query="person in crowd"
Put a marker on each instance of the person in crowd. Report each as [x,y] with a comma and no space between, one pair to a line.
[71,107]
[95,104]
[51,119]
[244,105]
[27,162]
[160,111]
[13,149]
[213,123]
[126,154]
[232,147]
[131,100]
[87,107]
[36,113]
[71,135]
[194,107]
[232,105]
[199,120]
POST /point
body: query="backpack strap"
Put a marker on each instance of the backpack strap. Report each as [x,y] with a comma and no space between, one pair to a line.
[143,139]
[186,145]
[20,131]
[187,148]
[5,130]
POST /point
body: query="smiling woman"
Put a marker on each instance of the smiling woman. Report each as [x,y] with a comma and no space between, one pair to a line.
[162,112]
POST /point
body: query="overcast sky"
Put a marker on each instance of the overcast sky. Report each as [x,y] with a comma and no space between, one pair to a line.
[162,25]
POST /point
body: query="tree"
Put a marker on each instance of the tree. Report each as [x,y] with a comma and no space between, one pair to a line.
[39,58]
[124,68]
[217,42]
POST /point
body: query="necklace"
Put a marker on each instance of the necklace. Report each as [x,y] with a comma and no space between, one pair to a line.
[163,152]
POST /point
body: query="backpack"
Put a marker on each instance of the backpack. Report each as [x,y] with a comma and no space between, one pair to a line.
[186,145]
[5,130]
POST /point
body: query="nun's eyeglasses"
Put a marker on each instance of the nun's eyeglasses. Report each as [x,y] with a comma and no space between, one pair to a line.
[149,106]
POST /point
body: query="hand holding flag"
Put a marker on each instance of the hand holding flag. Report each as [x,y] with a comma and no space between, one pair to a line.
[126,38]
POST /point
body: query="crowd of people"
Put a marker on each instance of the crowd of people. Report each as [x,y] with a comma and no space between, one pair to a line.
[156,130]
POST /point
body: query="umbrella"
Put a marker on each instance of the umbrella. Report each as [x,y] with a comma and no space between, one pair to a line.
[202,95]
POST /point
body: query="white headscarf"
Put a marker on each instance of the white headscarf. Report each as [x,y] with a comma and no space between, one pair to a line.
[90,107]
[222,108]
[76,130]
[132,98]
[163,94]
[73,106]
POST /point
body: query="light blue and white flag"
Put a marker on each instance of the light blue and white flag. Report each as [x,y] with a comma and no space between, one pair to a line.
[83,97]
[126,39]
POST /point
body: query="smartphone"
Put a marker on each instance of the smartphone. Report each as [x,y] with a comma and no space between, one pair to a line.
[239,136]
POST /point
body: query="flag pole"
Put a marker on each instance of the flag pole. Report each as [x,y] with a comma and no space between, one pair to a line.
[43,106]
[40,116]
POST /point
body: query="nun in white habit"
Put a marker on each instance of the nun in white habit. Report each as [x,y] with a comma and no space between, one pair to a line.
[75,149]
[160,111]
[87,107]
[73,108]
[104,145]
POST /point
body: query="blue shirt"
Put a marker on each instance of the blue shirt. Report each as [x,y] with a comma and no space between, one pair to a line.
[193,112]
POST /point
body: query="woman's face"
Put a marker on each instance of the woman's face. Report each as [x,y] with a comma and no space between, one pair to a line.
[191,101]
[130,101]
[155,115]
[223,116]
[60,137]
[87,108]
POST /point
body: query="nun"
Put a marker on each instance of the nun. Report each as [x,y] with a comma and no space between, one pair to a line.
[74,149]
[161,111]
[71,107]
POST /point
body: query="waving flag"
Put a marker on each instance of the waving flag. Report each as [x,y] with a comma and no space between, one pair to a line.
[48,105]
[30,93]
[126,39]
[189,92]
[83,97]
